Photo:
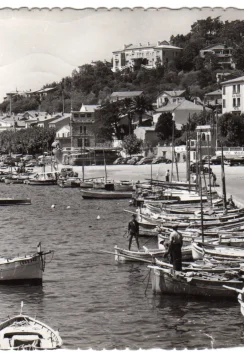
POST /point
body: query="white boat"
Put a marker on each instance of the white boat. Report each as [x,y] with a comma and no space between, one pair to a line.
[23,269]
[22,332]
[42,179]
[124,255]
[223,252]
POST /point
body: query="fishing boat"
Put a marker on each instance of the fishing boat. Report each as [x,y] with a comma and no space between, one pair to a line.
[169,281]
[200,250]
[86,184]
[22,332]
[24,269]
[14,201]
[47,178]
[107,195]
[69,182]
[123,185]
[124,255]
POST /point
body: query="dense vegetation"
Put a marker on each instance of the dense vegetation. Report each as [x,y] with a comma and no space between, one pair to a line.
[35,140]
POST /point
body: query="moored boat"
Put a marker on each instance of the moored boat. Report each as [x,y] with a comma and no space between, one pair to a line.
[96,194]
[42,179]
[23,269]
[22,332]
[124,255]
[169,281]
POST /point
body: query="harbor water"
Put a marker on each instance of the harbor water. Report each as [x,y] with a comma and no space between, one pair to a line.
[94,302]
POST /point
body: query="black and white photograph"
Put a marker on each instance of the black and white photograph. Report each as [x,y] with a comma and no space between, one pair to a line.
[121,178]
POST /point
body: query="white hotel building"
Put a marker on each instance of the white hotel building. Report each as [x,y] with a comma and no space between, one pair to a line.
[146,55]
[233,95]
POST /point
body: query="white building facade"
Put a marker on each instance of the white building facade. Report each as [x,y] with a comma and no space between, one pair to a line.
[146,55]
[233,95]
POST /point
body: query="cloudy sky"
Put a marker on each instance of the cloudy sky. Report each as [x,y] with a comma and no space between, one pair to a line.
[41,46]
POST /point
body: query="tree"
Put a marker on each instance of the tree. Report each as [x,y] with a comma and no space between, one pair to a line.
[238,56]
[131,144]
[164,126]
[141,105]
[231,129]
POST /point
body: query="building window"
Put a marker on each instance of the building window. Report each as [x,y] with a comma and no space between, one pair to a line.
[87,142]
[234,102]
[79,143]
[223,90]
[223,103]
[238,101]
[76,115]
[84,129]
[82,115]
[81,130]
[238,89]
[63,135]
[234,89]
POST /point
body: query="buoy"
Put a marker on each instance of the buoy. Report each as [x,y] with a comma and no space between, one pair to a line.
[98,217]
[68,207]
[53,206]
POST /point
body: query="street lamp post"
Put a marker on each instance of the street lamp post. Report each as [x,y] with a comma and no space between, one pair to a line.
[173,149]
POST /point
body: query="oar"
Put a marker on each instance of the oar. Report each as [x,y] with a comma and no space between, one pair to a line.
[125,256]
[234,289]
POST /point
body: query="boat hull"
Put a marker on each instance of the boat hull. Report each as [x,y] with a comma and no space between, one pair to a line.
[107,195]
[21,270]
[123,256]
[14,201]
[170,282]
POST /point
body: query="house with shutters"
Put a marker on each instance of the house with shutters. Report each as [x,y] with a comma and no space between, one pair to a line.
[233,95]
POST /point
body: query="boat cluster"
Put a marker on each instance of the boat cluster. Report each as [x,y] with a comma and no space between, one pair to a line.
[212,230]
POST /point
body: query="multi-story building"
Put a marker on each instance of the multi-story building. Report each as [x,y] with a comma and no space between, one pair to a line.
[233,95]
[165,97]
[81,133]
[149,55]
[214,99]
[222,52]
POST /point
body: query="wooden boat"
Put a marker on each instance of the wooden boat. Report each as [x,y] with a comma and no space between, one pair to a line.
[69,182]
[23,269]
[86,184]
[108,195]
[200,250]
[22,332]
[13,180]
[169,281]
[123,186]
[186,250]
[124,255]
[14,201]
[42,179]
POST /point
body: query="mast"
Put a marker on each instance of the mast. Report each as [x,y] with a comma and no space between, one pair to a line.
[200,185]
[83,168]
[173,133]
[105,167]
[176,165]
[223,176]
[209,175]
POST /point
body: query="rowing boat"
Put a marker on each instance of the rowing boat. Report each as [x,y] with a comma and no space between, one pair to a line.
[124,255]
[199,250]
[107,195]
[22,332]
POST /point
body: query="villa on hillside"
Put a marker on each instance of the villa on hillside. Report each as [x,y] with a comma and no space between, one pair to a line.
[174,96]
[148,56]
[222,52]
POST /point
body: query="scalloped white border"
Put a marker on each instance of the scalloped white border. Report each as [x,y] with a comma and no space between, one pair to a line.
[173,4]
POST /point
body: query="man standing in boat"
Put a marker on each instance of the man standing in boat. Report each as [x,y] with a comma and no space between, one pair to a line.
[174,250]
[133,231]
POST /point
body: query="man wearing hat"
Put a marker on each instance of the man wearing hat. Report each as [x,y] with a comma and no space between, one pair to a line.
[133,231]
[174,250]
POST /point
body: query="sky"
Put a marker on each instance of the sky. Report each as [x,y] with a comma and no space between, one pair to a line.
[40,46]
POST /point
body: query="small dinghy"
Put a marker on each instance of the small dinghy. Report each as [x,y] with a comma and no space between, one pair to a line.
[25,333]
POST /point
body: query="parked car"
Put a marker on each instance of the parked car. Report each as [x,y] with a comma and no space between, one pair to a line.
[204,168]
[159,160]
[206,159]
[145,161]
[216,159]
[118,161]
[134,160]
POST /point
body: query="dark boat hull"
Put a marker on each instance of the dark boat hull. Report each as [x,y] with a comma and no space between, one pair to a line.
[107,195]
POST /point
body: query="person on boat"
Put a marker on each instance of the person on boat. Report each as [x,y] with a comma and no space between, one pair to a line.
[174,249]
[133,231]
[167,175]
[231,202]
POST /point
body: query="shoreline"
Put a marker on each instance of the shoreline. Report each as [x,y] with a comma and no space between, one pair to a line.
[234,176]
